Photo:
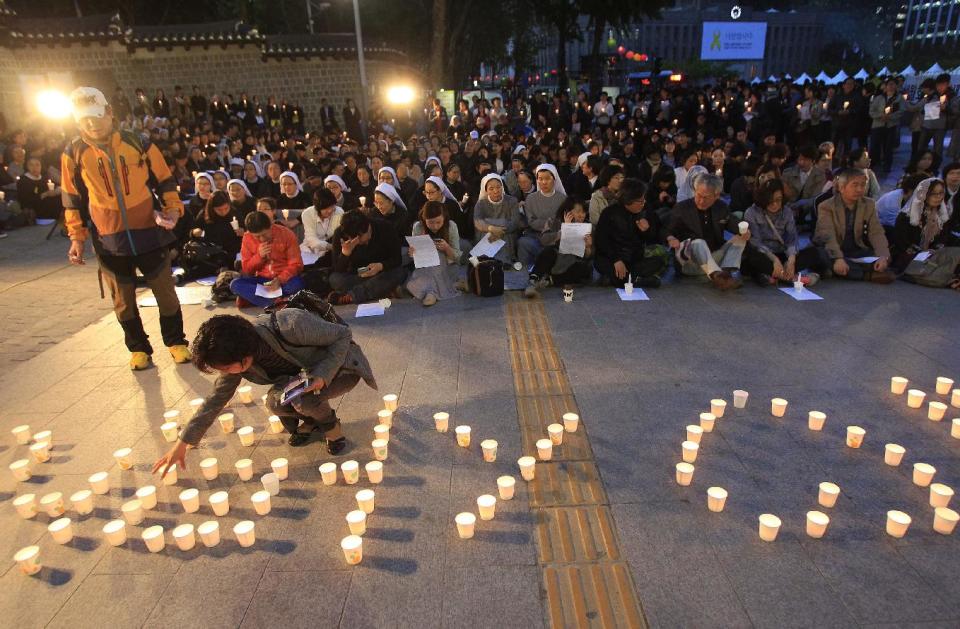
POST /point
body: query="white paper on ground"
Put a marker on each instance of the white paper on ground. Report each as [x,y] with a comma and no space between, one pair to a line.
[45,221]
[801,295]
[425,252]
[309,257]
[487,248]
[263,291]
[865,259]
[369,310]
[188,296]
[571,238]
[637,295]
[207,281]
[922,256]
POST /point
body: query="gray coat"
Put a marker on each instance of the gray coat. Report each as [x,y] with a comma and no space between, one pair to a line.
[322,348]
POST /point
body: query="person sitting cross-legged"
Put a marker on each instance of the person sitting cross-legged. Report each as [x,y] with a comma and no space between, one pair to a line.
[628,239]
[366,260]
[849,229]
[553,267]
[269,256]
[695,233]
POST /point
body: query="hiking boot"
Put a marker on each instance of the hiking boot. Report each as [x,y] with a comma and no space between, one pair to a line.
[139,361]
[181,354]
[723,280]
[429,300]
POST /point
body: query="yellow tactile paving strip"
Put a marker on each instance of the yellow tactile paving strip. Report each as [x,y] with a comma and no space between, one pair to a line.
[586,582]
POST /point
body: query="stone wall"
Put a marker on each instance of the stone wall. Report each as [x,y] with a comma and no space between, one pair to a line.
[232,69]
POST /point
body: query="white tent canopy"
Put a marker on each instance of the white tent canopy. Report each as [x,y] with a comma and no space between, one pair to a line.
[934,69]
[755,80]
[772,78]
[822,77]
[908,71]
[840,77]
[787,76]
[862,75]
[884,71]
[803,78]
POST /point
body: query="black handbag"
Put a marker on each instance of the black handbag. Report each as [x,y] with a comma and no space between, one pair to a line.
[486,278]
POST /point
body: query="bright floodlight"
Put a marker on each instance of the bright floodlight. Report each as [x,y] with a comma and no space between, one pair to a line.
[400,94]
[53,104]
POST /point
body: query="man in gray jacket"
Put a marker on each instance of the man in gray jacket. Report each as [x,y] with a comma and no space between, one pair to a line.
[275,349]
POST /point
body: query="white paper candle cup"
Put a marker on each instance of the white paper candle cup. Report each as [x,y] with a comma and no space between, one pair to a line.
[897,523]
[778,407]
[44,436]
[855,435]
[955,428]
[940,495]
[817,523]
[374,472]
[40,452]
[153,538]
[380,449]
[99,483]
[28,560]
[815,420]
[466,522]
[172,415]
[247,437]
[209,533]
[707,421]
[22,434]
[936,411]
[769,527]
[718,407]
[328,473]
[172,475]
[261,502]
[385,417]
[210,468]
[694,433]
[463,436]
[245,394]
[184,537]
[829,492]
[52,504]
[245,532]
[244,469]
[61,530]
[382,431]
[716,499]
[544,449]
[506,486]
[555,432]
[82,501]
[170,431]
[147,496]
[220,503]
[955,398]
[352,546]
[357,522]
[527,467]
[915,398]
[489,449]
[740,398]
[116,532]
[391,402]
[132,512]
[923,474]
[743,226]
[570,422]
[350,471]
[20,470]
[276,426]
[487,506]
[441,421]
[123,458]
[690,450]
[365,500]
[190,500]
[26,505]
[945,520]
[898,385]
[944,385]
[684,473]
[893,454]
[227,422]
[280,467]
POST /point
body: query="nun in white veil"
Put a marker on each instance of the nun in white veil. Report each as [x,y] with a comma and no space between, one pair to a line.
[498,214]
[391,208]
[539,209]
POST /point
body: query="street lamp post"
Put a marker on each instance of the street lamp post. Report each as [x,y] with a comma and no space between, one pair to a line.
[363,70]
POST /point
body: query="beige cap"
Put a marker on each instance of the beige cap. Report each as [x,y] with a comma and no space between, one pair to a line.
[88,101]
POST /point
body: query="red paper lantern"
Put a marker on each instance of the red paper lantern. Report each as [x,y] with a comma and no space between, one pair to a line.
[629,54]
[642,57]
[621,49]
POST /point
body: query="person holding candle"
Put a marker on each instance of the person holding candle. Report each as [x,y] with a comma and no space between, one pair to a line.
[885,124]
[40,197]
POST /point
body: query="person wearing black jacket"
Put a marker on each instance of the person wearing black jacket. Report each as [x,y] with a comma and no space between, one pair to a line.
[627,239]
[695,232]
[366,260]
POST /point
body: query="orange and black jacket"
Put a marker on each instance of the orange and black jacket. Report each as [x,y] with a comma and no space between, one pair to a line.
[117,182]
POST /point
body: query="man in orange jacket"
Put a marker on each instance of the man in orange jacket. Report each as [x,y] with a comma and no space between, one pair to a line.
[111,177]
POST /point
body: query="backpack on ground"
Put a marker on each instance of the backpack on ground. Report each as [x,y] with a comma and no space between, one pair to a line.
[937,271]
[309,301]
[485,279]
[221,287]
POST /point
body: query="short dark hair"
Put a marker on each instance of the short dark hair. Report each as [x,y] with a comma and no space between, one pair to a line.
[765,191]
[608,173]
[256,222]
[631,190]
[270,201]
[224,340]
[949,167]
[595,164]
[354,223]
[809,151]
[323,198]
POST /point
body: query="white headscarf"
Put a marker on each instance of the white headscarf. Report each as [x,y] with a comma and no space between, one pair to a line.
[236,161]
[582,158]
[296,180]
[443,188]
[337,180]
[520,149]
[242,184]
[391,193]
[557,184]
[483,186]
[208,177]
[432,158]
[257,167]
[396,180]
[918,201]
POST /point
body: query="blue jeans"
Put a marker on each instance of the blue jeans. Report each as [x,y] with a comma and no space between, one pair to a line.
[246,288]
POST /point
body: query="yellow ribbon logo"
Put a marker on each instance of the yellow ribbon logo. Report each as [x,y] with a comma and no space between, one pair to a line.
[715,44]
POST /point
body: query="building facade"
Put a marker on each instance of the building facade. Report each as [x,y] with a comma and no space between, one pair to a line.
[927,24]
